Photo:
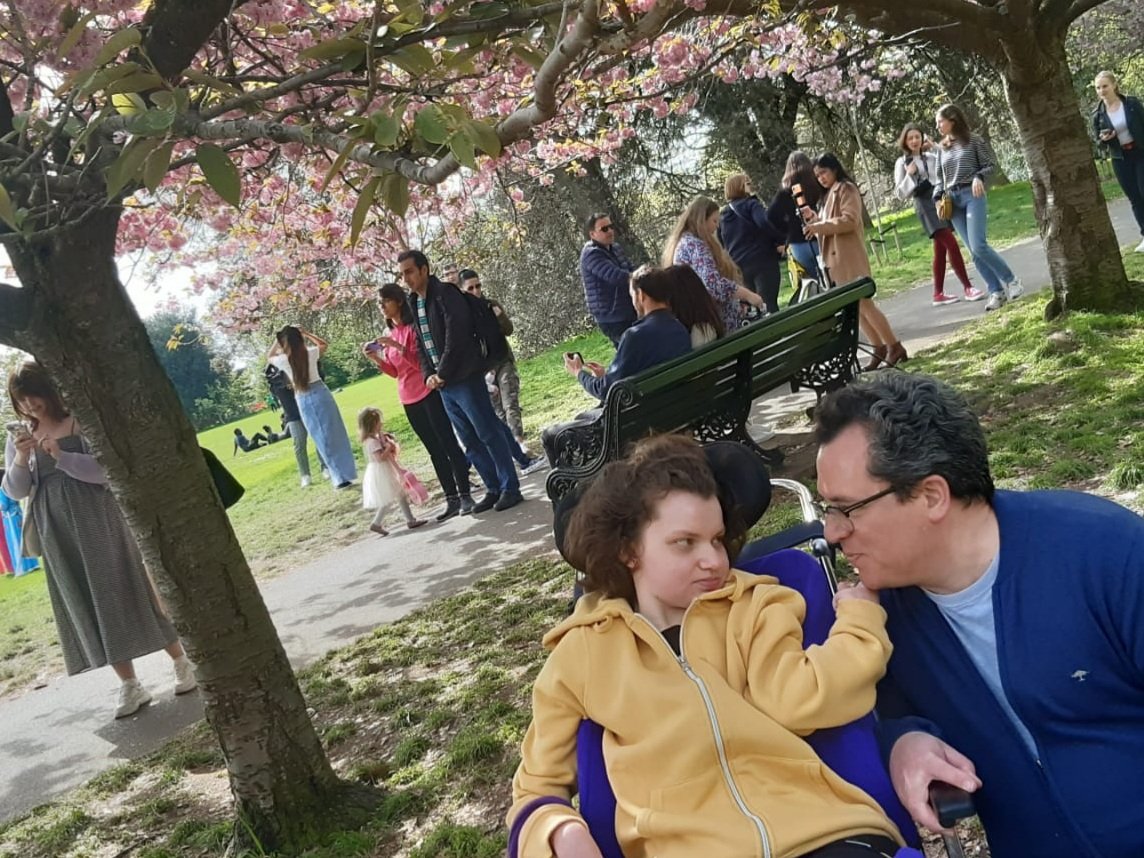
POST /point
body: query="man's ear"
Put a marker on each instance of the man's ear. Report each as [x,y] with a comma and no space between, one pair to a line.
[935,495]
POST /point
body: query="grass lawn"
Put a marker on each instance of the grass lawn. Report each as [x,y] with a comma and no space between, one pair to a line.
[431,709]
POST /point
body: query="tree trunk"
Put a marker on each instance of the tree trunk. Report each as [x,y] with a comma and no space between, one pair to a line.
[755,121]
[84,330]
[1084,257]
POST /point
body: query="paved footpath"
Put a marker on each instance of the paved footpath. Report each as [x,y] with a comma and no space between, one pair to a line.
[56,738]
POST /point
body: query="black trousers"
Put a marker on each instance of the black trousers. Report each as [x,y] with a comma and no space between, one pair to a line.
[432,426]
[860,846]
[1130,173]
[765,280]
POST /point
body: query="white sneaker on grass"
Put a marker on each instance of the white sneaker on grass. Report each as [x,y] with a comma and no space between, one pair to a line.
[1014,289]
[538,463]
[306,481]
[1140,247]
[132,697]
[996,301]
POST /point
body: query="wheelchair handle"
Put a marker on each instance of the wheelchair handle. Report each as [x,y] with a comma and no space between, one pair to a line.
[950,803]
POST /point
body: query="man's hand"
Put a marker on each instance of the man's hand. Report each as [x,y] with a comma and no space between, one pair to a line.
[573,840]
[850,590]
[918,759]
[573,364]
[497,311]
[978,188]
[434,382]
[597,369]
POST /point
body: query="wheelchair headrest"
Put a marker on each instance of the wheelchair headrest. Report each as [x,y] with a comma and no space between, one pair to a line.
[741,475]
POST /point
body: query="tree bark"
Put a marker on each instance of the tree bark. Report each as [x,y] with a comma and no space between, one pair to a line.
[1084,257]
[84,330]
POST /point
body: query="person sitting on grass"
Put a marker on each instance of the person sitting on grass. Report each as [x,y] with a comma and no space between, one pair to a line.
[241,442]
[677,656]
[655,338]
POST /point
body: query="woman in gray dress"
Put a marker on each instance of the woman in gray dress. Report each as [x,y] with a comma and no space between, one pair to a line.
[105,607]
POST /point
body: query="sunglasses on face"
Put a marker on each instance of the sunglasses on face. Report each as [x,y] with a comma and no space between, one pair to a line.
[606,228]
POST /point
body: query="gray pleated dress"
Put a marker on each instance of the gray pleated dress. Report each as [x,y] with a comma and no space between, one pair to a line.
[105,609]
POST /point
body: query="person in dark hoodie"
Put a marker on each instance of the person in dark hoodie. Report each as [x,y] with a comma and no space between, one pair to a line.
[754,243]
[605,270]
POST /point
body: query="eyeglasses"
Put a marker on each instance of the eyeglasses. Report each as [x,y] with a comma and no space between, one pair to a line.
[841,514]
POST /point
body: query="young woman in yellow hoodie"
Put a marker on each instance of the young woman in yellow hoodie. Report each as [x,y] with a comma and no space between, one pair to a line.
[698,676]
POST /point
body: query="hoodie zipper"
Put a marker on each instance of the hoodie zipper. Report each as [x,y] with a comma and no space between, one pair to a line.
[721,750]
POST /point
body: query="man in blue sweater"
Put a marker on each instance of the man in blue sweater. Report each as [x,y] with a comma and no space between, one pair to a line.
[657,337]
[1017,620]
[605,270]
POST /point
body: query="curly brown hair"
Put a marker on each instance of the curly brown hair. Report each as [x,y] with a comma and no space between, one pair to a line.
[614,510]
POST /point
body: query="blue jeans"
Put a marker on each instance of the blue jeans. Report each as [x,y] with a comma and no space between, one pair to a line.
[805,253]
[483,433]
[970,215]
[1129,171]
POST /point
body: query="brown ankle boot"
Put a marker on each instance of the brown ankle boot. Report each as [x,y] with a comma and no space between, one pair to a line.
[877,358]
[896,355]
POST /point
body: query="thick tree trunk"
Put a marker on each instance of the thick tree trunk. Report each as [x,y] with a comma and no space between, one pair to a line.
[85,331]
[755,121]
[1084,257]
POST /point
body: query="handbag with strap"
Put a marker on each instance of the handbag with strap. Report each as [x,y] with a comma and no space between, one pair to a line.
[945,201]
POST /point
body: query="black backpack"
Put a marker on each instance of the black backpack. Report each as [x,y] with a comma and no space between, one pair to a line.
[487,330]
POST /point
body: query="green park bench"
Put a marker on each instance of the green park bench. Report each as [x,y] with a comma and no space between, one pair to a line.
[708,392]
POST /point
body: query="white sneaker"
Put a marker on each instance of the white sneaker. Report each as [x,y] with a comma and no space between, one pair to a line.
[1015,289]
[538,463]
[184,676]
[306,481]
[326,475]
[132,697]
[996,301]
[1140,247]
[760,432]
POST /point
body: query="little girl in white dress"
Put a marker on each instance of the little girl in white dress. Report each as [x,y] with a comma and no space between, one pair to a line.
[385,483]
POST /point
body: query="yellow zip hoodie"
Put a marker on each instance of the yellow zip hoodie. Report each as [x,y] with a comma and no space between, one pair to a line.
[704,750]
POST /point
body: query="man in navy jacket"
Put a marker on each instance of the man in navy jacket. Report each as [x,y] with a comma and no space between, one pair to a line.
[1017,620]
[605,270]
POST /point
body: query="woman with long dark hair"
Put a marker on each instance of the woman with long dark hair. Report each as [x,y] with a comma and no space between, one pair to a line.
[105,606]
[914,175]
[693,241]
[692,304]
[838,226]
[964,162]
[799,188]
[395,354]
[296,353]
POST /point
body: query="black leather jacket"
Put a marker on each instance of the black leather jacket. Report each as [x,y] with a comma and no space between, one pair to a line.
[1133,112]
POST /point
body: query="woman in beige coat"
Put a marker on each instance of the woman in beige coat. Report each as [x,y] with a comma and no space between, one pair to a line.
[838,227]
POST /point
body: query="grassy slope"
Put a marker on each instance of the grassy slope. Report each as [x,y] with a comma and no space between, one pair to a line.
[431,709]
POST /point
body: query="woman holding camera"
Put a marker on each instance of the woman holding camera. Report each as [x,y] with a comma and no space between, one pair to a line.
[105,607]
[913,179]
[1118,122]
[395,354]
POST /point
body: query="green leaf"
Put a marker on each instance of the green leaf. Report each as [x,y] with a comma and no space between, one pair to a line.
[461,145]
[128,103]
[352,60]
[177,100]
[336,167]
[395,193]
[74,35]
[385,130]
[485,136]
[117,44]
[212,82]
[137,82]
[151,122]
[127,166]
[414,59]
[7,210]
[430,125]
[361,209]
[533,58]
[334,49]
[220,172]
[158,162]
[484,11]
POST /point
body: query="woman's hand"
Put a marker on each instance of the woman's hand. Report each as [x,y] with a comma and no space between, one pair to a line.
[978,188]
[911,168]
[24,444]
[812,230]
[808,214]
[50,446]
[573,840]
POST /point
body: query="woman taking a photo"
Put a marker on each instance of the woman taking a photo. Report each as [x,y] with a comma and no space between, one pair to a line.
[750,239]
[913,179]
[396,355]
[693,242]
[838,227]
[799,188]
[105,607]
[296,353]
[964,161]
[1118,122]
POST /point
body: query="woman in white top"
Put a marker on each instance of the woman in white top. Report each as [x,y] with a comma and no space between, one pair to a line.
[299,360]
[1118,123]
[913,179]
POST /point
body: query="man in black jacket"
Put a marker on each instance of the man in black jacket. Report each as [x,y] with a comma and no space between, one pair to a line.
[453,363]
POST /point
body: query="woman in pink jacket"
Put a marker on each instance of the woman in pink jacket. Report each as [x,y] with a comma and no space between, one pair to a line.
[396,355]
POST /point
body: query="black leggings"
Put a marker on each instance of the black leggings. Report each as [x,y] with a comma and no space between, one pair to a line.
[859,846]
[765,281]
[431,423]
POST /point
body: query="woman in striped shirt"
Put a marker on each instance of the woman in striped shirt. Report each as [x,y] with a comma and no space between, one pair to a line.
[964,161]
